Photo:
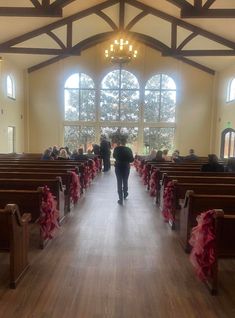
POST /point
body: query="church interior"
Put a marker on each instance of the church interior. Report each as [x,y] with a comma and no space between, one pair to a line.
[161,72]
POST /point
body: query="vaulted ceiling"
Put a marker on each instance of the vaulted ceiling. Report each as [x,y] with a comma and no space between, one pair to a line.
[36,33]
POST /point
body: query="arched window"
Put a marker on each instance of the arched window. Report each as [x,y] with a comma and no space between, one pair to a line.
[227,143]
[10,87]
[231,91]
[159,108]
[119,97]
[160,99]
[79,98]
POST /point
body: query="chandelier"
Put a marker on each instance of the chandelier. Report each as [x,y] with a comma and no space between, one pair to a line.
[120,51]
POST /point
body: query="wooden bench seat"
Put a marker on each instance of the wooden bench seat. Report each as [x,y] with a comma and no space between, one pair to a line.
[55,186]
[180,189]
[194,204]
[14,239]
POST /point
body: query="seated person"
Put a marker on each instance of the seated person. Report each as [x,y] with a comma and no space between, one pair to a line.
[47,155]
[191,156]
[81,155]
[159,157]
[74,155]
[63,155]
[213,165]
[176,156]
[95,149]
[165,155]
[152,155]
[230,167]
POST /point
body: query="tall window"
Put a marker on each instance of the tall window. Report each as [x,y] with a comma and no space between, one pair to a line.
[158,138]
[77,136]
[119,97]
[79,97]
[227,143]
[231,91]
[11,138]
[160,99]
[10,87]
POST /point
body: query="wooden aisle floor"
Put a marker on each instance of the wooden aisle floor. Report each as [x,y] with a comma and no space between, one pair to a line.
[115,262]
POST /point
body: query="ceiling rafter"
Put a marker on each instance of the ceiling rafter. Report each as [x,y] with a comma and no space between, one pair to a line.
[65,50]
[198,10]
[44,9]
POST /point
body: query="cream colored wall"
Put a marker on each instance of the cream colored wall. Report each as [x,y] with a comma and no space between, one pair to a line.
[194,97]
[225,111]
[12,111]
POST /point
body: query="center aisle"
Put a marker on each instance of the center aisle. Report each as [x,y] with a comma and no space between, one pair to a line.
[113,261]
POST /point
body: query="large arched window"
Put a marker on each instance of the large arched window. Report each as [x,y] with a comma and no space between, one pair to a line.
[160,99]
[79,98]
[227,143]
[119,97]
[231,91]
[10,87]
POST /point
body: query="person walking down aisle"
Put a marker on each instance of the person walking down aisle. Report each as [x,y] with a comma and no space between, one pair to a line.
[123,156]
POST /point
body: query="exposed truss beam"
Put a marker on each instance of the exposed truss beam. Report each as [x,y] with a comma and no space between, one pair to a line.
[44,9]
[207,13]
[60,3]
[30,12]
[198,10]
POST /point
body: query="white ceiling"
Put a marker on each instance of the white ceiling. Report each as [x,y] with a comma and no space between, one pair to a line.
[92,25]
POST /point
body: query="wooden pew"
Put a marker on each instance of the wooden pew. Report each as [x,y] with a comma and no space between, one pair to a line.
[225,243]
[201,177]
[14,239]
[28,201]
[193,205]
[180,189]
[66,178]
[55,186]
[221,228]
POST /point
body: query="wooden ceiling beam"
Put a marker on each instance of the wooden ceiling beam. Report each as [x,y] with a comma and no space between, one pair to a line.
[207,13]
[176,53]
[208,3]
[60,3]
[30,12]
[40,51]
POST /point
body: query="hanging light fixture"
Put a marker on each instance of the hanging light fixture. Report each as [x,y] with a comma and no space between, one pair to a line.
[120,51]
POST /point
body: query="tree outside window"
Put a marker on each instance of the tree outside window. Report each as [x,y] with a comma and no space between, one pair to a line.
[79,98]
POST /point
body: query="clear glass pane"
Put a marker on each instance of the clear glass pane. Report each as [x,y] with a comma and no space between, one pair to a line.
[154,82]
[167,113]
[71,100]
[226,145]
[71,137]
[159,139]
[86,81]
[128,80]
[129,108]
[72,81]
[109,107]
[10,87]
[111,80]
[87,104]
[232,90]
[151,108]
[108,131]
[167,82]
[231,153]
[76,137]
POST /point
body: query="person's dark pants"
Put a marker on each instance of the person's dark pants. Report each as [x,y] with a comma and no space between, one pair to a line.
[106,163]
[122,174]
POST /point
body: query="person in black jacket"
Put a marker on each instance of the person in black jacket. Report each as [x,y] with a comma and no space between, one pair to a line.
[213,165]
[123,156]
[105,152]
